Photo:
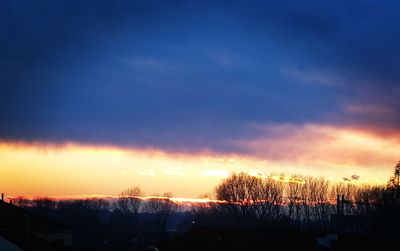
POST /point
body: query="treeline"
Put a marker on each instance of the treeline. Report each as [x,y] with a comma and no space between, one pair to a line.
[303,203]
[123,222]
[245,201]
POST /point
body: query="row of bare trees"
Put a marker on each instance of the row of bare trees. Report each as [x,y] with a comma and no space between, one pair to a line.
[303,201]
[161,206]
[248,201]
[128,221]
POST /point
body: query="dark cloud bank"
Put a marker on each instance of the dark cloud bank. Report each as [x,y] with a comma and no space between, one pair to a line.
[194,74]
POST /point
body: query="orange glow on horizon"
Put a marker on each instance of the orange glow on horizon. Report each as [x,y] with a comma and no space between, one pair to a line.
[39,169]
[102,196]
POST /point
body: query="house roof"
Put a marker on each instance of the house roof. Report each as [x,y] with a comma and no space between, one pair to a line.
[26,242]
[14,217]
[7,245]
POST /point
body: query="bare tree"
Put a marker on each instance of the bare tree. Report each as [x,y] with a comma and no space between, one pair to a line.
[44,203]
[320,196]
[21,201]
[241,193]
[129,200]
[346,193]
[162,207]
[96,205]
[305,200]
[293,194]
[365,199]
[270,199]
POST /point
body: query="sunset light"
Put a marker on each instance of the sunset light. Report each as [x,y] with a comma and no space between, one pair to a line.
[311,150]
[174,125]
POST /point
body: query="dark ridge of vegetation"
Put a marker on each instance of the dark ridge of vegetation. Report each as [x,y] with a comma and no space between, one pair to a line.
[247,202]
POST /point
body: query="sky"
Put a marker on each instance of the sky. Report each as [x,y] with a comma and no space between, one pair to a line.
[98,96]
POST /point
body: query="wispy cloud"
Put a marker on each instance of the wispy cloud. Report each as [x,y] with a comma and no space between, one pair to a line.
[325,147]
[228,60]
[370,110]
[317,77]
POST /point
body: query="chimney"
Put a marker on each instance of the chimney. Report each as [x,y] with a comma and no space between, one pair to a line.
[2,196]
[338,206]
[342,204]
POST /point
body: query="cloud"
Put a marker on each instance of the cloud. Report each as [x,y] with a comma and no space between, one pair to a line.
[185,174]
[323,147]
[198,76]
[355,177]
[370,110]
[227,60]
[313,77]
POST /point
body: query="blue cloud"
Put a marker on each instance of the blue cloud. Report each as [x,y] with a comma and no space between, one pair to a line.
[192,75]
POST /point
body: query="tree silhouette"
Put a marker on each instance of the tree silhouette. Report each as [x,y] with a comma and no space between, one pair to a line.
[129,202]
[162,207]
[241,192]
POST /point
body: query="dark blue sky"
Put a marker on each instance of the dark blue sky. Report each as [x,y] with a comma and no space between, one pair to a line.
[191,75]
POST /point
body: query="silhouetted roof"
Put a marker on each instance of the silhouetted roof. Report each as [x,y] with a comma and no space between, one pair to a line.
[27,242]
[34,243]
[14,217]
